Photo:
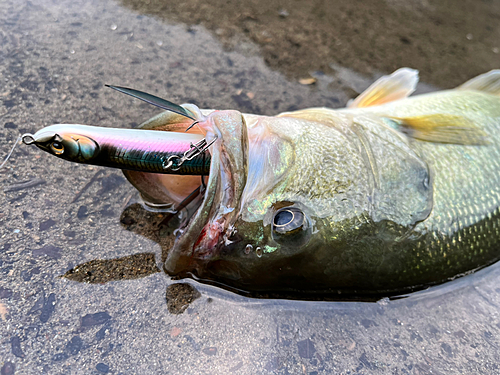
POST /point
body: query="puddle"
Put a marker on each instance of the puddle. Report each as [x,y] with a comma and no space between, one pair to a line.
[56,216]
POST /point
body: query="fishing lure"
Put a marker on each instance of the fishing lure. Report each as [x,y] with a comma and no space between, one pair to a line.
[129,149]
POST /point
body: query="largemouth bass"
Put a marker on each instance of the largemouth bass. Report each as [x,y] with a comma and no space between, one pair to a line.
[391,194]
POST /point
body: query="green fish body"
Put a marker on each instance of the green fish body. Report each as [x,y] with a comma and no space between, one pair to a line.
[392,194]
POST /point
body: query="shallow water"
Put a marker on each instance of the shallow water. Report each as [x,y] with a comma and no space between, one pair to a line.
[55,58]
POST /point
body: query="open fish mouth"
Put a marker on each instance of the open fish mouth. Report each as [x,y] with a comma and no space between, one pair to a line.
[206,231]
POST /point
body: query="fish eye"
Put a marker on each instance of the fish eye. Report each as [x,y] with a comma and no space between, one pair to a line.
[57,147]
[291,227]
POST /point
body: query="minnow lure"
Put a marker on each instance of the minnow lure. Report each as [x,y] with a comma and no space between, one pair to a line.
[129,149]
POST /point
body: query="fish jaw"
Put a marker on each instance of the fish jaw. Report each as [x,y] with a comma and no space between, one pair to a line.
[202,236]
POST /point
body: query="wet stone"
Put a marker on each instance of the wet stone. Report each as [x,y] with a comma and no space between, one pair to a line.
[367,323]
[69,233]
[237,367]
[460,334]
[364,362]
[82,212]
[50,251]
[75,345]
[60,357]
[15,343]
[306,348]
[9,103]
[26,275]
[44,225]
[101,333]
[110,183]
[96,319]
[210,351]
[38,305]
[8,368]
[447,349]
[10,125]
[48,308]
[179,296]
[102,367]
[193,343]
[107,211]
[416,336]
[5,292]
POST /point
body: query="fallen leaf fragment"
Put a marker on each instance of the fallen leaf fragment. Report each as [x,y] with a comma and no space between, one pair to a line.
[3,311]
[307,81]
[176,331]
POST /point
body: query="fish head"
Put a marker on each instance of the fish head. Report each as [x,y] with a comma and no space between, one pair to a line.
[64,141]
[286,199]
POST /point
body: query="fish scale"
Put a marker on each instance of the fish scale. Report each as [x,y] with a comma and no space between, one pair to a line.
[459,194]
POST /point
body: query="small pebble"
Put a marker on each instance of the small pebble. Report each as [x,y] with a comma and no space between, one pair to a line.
[101,367]
[8,368]
[283,13]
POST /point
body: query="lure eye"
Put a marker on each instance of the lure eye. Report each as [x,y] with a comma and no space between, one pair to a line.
[57,147]
[291,227]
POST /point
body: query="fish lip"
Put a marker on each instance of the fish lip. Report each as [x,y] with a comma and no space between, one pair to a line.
[177,259]
[202,236]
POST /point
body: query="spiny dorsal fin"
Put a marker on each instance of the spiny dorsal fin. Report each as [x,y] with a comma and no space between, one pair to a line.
[487,82]
[398,85]
[442,128]
[154,100]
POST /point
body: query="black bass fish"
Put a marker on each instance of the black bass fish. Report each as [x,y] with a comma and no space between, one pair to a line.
[391,194]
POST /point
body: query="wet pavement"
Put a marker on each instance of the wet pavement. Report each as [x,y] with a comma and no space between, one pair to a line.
[60,218]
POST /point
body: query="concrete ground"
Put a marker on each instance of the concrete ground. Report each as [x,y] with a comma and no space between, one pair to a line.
[55,216]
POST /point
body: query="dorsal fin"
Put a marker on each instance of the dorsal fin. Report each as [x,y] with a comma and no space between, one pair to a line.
[487,82]
[173,122]
[398,85]
[154,100]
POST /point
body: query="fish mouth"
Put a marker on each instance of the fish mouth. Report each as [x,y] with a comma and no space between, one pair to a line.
[205,232]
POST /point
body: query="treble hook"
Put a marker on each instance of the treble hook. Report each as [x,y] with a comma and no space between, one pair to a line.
[194,150]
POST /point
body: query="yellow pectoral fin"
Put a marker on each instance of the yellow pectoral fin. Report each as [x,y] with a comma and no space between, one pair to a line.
[442,128]
[398,85]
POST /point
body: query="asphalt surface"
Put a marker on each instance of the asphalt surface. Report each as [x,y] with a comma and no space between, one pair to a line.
[124,316]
